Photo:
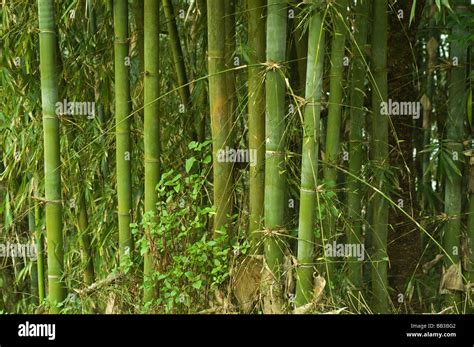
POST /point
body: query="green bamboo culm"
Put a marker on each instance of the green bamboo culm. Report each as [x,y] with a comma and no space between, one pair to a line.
[34,268]
[92,17]
[309,170]
[102,114]
[177,54]
[230,34]
[52,160]
[230,65]
[356,149]
[137,9]
[39,239]
[221,119]
[379,156]
[151,128]
[301,48]
[333,129]
[256,109]
[201,115]
[122,126]
[84,233]
[432,52]
[275,183]
[455,137]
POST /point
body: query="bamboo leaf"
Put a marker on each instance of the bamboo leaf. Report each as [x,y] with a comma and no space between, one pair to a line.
[412,12]
[447,5]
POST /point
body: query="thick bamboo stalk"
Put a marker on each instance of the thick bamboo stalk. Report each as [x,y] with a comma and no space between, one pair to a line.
[52,161]
[275,183]
[256,109]
[379,156]
[122,126]
[356,124]
[221,119]
[309,170]
[333,129]
[152,126]
[455,137]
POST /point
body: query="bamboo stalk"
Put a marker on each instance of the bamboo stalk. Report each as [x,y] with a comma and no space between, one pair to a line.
[432,50]
[309,170]
[356,150]
[455,137]
[39,239]
[229,61]
[83,229]
[221,119]
[34,268]
[256,109]
[137,8]
[275,183]
[152,127]
[379,156]
[122,126]
[52,160]
[333,129]
[177,54]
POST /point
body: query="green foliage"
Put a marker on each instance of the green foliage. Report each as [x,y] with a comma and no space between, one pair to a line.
[190,262]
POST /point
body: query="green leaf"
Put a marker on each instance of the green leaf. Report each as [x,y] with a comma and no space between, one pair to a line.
[412,12]
[143,248]
[197,284]
[438,4]
[447,5]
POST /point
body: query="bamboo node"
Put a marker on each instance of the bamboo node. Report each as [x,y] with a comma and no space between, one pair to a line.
[51,117]
[272,153]
[314,103]
[49,201]
[121,42]
[271,65]
[45,31]
[152,161]
[275,232]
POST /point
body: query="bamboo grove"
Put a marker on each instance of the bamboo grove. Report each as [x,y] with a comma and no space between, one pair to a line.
[241,156]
